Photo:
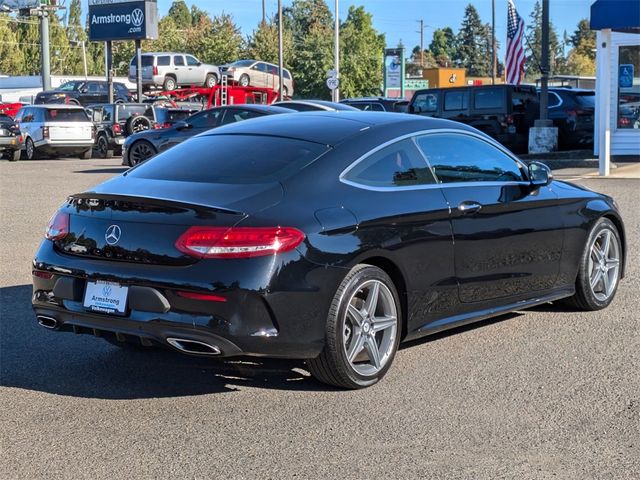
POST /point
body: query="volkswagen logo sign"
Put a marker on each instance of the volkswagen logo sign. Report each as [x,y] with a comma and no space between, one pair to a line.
[112,235]
[137,17]
[106,290]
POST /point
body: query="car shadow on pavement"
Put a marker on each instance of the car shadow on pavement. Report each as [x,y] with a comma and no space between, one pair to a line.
[33,358]
[113,170]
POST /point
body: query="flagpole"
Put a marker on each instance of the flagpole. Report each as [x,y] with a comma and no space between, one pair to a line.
[493,42]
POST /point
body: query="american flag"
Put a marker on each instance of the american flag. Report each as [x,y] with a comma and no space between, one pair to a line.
[514,62]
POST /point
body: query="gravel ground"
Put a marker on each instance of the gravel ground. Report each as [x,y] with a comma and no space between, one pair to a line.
[544,394]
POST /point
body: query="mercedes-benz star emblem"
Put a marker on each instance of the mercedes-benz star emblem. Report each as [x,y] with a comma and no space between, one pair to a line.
[137,17]
[112,235]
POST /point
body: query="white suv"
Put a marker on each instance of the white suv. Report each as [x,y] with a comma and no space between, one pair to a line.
[55,129]
[170,70]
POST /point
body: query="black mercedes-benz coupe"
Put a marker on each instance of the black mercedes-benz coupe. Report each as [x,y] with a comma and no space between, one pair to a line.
[330,237]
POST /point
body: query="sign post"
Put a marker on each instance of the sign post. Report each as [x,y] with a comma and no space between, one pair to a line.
[394,70]
[123,20]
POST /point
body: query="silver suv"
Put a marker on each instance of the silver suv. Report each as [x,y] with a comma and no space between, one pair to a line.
[170,70]
[258,74]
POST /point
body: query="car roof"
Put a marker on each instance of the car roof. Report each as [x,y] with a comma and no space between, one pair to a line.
[331,128]
[166,53]
[324,104]
[372,99]
[257,107]
[57,106]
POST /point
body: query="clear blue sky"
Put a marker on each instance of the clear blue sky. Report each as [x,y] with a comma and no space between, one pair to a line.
[398,18]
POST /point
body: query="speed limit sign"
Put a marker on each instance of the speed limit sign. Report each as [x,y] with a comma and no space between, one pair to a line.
[332,83]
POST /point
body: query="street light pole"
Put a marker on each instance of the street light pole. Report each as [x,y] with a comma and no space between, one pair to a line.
[544,83]
[494,66]
[45,61]
[336,67]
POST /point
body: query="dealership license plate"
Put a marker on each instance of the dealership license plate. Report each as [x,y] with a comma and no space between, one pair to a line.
[106,297]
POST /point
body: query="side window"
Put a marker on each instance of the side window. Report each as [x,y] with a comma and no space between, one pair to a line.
[554,99]
[426,102]
[461,158]
[96,114]
[232,116]
[93,87]
[178,60]
[456,100]
[376,107]
[208,119]
[107,114]
[397,165]
[164,61]
[488,98]
[25,115]
[191,61]
[287,75]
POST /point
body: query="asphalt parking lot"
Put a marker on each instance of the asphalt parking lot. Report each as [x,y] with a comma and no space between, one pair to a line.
[548,393]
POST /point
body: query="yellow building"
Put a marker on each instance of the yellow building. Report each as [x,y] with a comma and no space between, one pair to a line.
[441,77]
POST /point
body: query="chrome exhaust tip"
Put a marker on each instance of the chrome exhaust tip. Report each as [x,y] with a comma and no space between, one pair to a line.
[193,346]
[47,322]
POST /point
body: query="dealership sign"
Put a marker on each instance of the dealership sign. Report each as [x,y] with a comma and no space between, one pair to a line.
[123,20]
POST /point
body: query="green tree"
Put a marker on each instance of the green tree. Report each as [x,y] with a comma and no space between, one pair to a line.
[28,36]
[584,40]
[471,53]
[76,34]
[11,57]
[263,43]
[197,15]
[443,46]
[61,56]
[361,55]
[180,14]
[217,40]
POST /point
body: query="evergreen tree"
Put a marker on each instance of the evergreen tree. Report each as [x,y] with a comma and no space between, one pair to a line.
[61,56]
[584,40]
[28,36]
[263,44]
[76,33]
[471,53]
[217,40]
[361,55]
[180,14]
[11,58]
[443,46]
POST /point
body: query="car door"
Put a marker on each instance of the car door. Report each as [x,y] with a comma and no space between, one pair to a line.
[456,105]
[258,74]
[508,235]
[95,92]
[405,214]
[195,73]
[180,70]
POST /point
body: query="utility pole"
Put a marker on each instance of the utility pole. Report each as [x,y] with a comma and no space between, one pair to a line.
[421,32]
[336,92]
[264,12]
[45,61]
[544,60]
[280,51]
[494,66]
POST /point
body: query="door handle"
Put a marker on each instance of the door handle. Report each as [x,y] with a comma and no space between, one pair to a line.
[469,207]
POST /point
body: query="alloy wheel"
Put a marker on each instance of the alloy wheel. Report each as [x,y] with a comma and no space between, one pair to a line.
[604,265]
[30,148]
[140,152]
[370,328]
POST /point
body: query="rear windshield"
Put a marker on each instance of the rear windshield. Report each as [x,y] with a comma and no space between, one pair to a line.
[231,159]
[147,61]
[5,118]
[587,99]
[65,115]
[126,111]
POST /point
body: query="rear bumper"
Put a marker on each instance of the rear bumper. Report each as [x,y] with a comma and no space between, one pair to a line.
[285,317]
[64,146]
[10,143]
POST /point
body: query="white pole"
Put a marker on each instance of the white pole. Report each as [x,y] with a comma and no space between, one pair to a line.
[604,117]
[84,59]
[336,92]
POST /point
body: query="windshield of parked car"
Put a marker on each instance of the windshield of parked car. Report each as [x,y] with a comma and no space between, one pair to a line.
[5,118]
[71,86]
[586,99]
[126,111]
[242,63]
[65,115]
[231,159]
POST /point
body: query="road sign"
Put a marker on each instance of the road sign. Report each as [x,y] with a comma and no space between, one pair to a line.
[332,73]
[123,20]
[333,83]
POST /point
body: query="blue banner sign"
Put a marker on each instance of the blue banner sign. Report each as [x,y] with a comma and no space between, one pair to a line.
[625,75]
[123,20]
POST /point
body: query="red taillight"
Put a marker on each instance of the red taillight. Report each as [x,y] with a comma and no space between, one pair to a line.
[116,128]
[58,226]
[509,119]
[238,242]
[155,70]
[44,275]
[624,122]
[45,132]
[166,125]
[202,296]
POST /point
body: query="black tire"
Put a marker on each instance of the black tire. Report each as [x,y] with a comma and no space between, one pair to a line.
[102,146]
[15,156]
[169,83]
[119,101]
[332,366]
[139,152]
[74,102]
[244,80]
[30,150]
[87,154]
[137,124]
[585,298]
[211,80]
[285,91]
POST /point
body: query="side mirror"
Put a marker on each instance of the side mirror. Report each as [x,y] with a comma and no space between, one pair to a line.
[181,125]
[539,174]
